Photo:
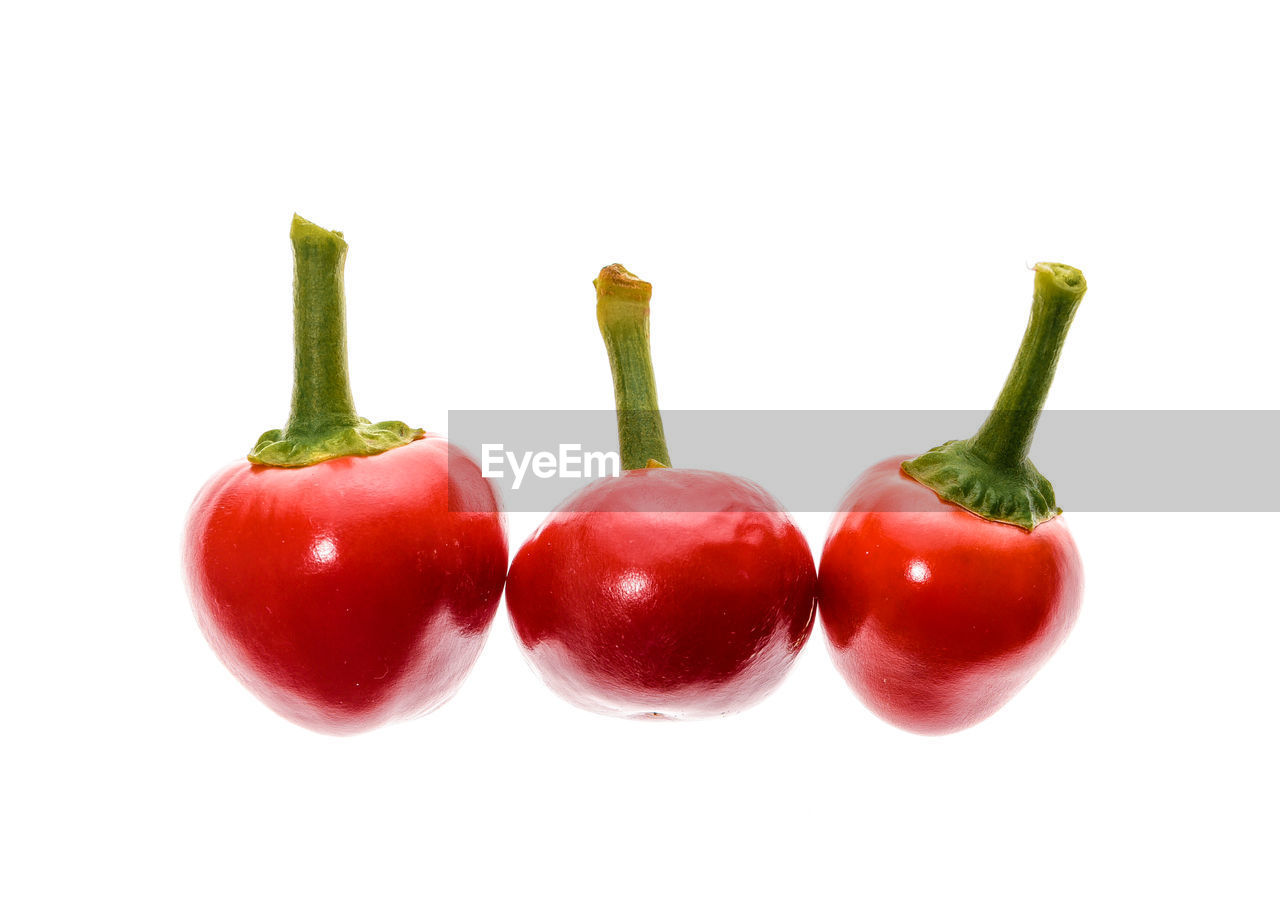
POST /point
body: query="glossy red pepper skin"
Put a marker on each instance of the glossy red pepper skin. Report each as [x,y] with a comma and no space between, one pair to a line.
[351,592]
[935,616]
[664,592]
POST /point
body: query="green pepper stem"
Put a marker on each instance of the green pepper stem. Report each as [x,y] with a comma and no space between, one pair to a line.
[990,473]
[322,417]
[1004,439]
[321,385]
[622,309]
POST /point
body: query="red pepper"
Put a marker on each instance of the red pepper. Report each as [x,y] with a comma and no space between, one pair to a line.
[662,592]
[947,580]
[346,572]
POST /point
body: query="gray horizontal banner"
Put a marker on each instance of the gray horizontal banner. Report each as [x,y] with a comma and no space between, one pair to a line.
[1097,460]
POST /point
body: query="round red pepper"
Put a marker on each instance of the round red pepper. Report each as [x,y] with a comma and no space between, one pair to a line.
[346,572]
[947,580]
[663,592]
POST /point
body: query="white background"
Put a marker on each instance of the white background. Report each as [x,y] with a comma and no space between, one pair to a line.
[837,206]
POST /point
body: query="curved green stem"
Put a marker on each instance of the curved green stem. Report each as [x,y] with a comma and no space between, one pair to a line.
[990,474]
[323,423]
[622,309]
[1005,438]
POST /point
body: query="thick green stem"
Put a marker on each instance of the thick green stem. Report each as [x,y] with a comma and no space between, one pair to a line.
[1005,438]
[991,474]
[323,423]
[321,385]
[622,309]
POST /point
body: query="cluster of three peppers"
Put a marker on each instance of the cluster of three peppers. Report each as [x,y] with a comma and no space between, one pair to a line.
[347,572]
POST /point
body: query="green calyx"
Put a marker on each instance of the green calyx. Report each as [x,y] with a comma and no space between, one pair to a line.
[278,448]
[622,310]
[323,423]
[1017,495]
[990,474]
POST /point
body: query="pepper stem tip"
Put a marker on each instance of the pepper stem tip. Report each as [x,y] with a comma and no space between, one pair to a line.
[614,281]
[303,233]
[1057,275]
